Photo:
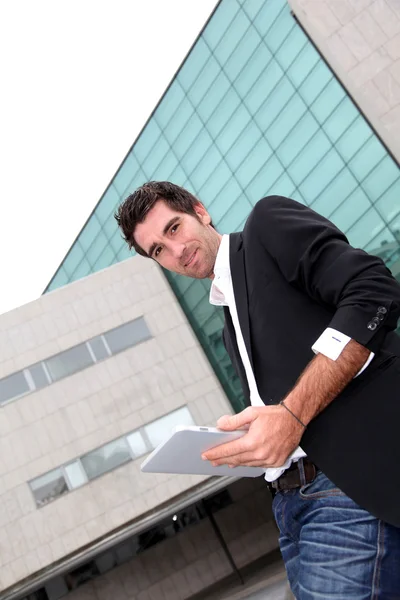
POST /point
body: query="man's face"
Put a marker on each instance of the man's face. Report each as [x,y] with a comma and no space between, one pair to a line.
[178,241]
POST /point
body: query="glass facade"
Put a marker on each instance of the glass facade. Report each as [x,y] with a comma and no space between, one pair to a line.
[254,110]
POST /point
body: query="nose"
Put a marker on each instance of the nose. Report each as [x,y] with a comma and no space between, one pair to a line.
[178,250]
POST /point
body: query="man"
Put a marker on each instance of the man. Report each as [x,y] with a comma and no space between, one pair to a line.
[309,326]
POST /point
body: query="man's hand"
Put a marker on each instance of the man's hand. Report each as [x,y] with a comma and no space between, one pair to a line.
[273,434]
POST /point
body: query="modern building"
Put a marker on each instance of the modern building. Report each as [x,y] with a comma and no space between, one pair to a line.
[295,98]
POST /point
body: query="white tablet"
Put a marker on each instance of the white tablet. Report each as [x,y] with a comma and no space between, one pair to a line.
[181,453]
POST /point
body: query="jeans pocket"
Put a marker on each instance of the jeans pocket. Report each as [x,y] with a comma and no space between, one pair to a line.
[321,487]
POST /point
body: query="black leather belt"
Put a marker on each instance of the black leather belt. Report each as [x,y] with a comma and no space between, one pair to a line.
[292,477]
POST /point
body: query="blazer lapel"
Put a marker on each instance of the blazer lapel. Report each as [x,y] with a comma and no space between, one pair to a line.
[238,273]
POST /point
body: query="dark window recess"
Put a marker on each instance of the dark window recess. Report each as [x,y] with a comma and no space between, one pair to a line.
[81,575]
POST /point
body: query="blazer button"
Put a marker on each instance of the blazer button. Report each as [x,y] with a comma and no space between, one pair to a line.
[372,326]
[376,320]
[382,310]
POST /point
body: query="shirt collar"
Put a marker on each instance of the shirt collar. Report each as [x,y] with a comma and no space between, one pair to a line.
[222,260]
[222,271]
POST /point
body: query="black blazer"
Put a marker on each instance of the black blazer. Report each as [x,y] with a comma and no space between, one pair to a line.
[294,274]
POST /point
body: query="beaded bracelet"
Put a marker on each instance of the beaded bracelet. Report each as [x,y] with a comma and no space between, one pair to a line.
[292,413]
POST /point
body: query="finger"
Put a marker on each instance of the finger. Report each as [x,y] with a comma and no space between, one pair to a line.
[227,450]
[232,422]
[248,459]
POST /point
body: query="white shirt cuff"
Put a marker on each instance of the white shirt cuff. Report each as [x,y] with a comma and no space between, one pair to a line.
[331,343]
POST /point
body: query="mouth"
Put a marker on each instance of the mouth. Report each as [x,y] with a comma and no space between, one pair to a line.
[191,259]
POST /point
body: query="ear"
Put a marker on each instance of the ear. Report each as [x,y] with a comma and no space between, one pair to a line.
[202,213]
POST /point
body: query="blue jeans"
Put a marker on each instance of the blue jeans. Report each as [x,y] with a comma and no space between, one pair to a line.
[332,548]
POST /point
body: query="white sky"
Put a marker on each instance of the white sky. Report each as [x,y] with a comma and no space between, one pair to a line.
[78,80]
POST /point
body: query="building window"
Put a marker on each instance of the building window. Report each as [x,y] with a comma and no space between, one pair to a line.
[69,362]
[13,386]
[106,458]
[112,455]
[158,430]
[49,486]
[73,360]
[127,335]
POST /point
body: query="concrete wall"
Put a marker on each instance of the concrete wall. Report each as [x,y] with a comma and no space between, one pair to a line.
[47,428]
[360,39]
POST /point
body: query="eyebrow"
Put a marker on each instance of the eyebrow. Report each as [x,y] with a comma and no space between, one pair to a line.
[170,223]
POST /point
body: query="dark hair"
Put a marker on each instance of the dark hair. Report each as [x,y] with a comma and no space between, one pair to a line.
[135,207]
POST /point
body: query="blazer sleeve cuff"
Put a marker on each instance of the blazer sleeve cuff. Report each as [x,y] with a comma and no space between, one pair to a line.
[367,327]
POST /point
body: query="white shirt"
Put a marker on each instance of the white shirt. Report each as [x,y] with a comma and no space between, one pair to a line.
[330,343]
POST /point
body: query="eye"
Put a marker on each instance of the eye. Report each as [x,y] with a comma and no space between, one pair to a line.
[157,251]
[174,228]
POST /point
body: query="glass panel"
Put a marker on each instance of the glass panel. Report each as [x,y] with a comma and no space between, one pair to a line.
[84,268]
[280,32]
[217,181]
[206,166]
[327,101]
[253,162]
[353,138]
[193,64]
[196,151]
[367,227]
[268,15]
[242,53]
[75,473]
[219,22]
[254,67]
[265,85]
[293,45]
[186,137]
[203,82]
[381,178]
[232,36]
[99,243]
[38,375]
[107,204]
[106,258]
[48,487]
[158,431]
[73,258]
[284,119]
[233,128]
[13,386]
[178,121]
[137,443]
[89,232]
[168,105]
[297,138]
[303,65]
[98,347]
[341,118]
[155,156]
[126,173]
[146,141]
[367,158]
[316,80]
[245,143]
[214,96]
[223,113]
[127,335]
[69,362]
[106,458]
[351,210]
